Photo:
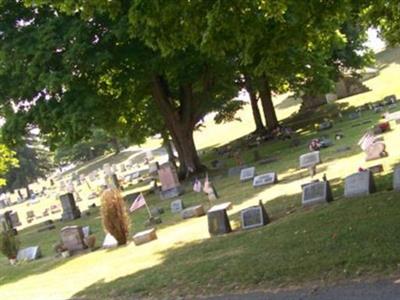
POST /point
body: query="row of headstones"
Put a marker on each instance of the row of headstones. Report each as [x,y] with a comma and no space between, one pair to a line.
[356,185]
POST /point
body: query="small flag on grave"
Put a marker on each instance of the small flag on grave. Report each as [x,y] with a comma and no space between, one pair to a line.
[197,186]
[206,188]
[138,203]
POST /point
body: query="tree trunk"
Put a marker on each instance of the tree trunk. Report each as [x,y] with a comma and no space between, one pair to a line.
[28,192]
[268,107]
[311,102]
[168,147]
[254,106]
[115,145]
[180,124]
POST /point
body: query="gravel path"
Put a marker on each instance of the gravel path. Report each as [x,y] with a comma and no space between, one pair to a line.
[385,289]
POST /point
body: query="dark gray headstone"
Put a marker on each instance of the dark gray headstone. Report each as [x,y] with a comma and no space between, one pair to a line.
[177,206]
[247,174]
[264,179]
[254,216]
[310,159]
[172,192]
[70,210]
[218,221]
[396,179]
[359,184]
[316,192]
[30,253]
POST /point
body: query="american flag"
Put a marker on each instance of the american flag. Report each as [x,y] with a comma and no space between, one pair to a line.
[206,188]
[138,203]
[197,186]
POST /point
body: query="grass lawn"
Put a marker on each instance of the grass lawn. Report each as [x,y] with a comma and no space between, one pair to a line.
[346,239]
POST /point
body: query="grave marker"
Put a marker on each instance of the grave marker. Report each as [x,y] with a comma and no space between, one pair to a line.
[316,192]
[30,253]
[218,221]
[234,171]
[177,206]
[247,174]
[396,179]
[359,184]
[109,241]
[70,210]
[264,179]
[310,159]
[144,236]
[193,211]
[72,238]
[254,216]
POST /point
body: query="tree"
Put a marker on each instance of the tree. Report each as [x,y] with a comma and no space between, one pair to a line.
[7,161]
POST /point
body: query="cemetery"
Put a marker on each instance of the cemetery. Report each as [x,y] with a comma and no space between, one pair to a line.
[310,200]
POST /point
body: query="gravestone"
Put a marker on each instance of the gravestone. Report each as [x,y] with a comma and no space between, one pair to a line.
[234,171]
[109,241]
[6,222]
[310,159]
[376,169]
[153,167]
[396,178]
[193,211]
[218,221]
[264,179]
[254,216]
[30,215]
[170,186]
[177,206]
[375,151]
[316,192]
[247,174]
[72,238]
[70,210]
[144,236]
[359,184]
[30,253]
[86,231]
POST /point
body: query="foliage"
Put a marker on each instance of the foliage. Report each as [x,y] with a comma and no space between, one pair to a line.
[228,111]
[114,215]
[9,244]
[7,161]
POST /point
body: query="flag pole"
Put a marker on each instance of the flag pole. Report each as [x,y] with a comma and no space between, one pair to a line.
[147,207]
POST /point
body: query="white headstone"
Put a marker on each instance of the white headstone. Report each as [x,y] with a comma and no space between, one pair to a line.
[267,178]
[359,184]
[109,241]
[316,192]
[310,159]
[247,174]
[30,253]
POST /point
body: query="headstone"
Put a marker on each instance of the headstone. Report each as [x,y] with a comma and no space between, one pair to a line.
[234,171]
[70,210]
[247,174]
[177,206]
[254,216]
[310,159]
[396,179]
[153,167]
[170,186]
[6,222]
[375,151]
[152,221]
[316,192]
[86,231]
[30,253]
[376,169]
[72,238]
[193,211]
[144,236]
[218,221]
[359,184]
[109,241]
[264,179]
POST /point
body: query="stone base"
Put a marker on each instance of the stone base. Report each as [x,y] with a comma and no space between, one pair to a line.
[144,237]
[171,193]
[71,215]
[193,211]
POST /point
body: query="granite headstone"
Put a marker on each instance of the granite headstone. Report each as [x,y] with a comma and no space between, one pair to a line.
[247,174]
[264,179]
[316,192]
[359,184]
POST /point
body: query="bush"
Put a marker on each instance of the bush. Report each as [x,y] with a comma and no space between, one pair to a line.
[9,244]
[114,215]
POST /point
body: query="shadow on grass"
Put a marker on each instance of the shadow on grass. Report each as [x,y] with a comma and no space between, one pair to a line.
[344,239]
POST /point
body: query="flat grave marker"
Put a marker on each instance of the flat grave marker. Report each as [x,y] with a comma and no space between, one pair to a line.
[144,236]
[193,211]
[310,159]
[30,253]
[264,179]
[177,206]
[247,174]
[234,171]
[109,241]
